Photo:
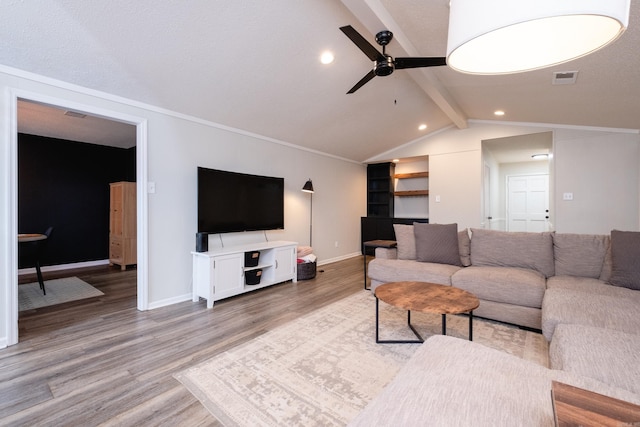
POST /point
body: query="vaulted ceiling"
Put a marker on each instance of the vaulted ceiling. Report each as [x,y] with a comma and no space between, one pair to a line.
[255,66]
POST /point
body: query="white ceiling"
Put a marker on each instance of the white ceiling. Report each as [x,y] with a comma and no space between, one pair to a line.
[255,66]
[45,120]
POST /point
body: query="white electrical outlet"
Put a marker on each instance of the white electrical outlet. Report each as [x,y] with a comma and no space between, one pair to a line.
[336,243]
[567,196]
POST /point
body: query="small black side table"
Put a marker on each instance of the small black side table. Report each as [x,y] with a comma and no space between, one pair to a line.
[374,244]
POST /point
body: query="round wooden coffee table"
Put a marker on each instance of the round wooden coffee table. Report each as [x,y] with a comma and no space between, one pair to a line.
[428,298]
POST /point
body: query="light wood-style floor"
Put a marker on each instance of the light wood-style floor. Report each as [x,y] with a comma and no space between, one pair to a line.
[100,361]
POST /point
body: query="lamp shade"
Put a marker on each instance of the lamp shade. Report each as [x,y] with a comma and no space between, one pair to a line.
[507,36]
[308,187]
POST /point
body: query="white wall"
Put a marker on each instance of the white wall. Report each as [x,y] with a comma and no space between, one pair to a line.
[497,220]
[600,166]
[411,206]
[176,146]
[601,170]
[455,194]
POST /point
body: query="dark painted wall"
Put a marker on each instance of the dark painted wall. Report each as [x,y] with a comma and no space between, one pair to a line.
[65,184]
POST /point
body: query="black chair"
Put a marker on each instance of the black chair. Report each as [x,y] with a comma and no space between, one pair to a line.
[40,248]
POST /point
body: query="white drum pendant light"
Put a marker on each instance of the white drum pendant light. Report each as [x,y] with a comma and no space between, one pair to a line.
[511,36]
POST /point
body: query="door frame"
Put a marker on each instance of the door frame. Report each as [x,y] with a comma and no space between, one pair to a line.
[11,290]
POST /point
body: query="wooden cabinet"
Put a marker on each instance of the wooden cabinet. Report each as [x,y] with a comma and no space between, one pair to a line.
[222,273]
[122,224]
[380,189]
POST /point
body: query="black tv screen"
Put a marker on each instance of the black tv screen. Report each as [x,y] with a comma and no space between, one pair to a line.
[231,202]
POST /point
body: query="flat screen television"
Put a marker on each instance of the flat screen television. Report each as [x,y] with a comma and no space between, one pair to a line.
[232,202]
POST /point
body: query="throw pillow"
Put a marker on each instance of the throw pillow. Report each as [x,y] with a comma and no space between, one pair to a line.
[625,258]
[405,240]
[437,243]
[464,244]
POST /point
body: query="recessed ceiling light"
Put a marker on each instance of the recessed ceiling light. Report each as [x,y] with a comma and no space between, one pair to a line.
[326,57]
[396,160]
[422,127]
[499,113]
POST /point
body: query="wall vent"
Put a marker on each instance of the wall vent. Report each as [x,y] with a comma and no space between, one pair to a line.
[74,114]
[564,77]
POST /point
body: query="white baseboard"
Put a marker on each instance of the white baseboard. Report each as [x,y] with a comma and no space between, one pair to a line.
[340,258]
[64,266]
[169,301]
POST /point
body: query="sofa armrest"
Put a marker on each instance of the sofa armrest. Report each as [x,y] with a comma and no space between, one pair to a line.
[387,253]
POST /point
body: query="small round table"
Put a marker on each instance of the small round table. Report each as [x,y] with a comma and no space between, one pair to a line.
[428,298]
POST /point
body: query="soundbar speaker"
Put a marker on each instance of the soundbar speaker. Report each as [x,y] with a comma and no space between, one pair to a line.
[202,242]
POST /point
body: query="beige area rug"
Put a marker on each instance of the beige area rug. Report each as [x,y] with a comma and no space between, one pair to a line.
[30,295]
[323,368]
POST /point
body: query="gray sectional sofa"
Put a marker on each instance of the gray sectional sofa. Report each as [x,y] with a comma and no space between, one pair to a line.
[581,291]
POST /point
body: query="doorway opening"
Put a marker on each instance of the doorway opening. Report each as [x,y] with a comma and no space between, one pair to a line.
[517,189]
[26,106]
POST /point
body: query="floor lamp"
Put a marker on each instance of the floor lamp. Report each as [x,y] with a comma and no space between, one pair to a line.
[308,188]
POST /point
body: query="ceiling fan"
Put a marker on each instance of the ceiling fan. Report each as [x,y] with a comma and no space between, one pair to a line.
[384,64]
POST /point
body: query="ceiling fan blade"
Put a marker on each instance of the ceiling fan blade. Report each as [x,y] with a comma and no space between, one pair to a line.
[401,63]
[362,43]
[371,74]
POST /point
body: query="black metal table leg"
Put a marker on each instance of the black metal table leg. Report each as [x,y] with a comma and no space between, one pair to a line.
[379,341]
[444,324]
[471,325]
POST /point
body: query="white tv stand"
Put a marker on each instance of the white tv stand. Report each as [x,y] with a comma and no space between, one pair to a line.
[220,273]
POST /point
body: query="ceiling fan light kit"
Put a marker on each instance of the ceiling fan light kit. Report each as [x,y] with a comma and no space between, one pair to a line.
[506,36]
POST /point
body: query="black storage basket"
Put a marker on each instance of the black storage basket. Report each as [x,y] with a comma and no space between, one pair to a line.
[306,270]
[252,277]
[251,259]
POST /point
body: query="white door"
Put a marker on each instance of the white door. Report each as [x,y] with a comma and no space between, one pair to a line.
[528,203]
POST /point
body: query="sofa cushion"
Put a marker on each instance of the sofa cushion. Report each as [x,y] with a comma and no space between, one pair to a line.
[625,257]
[464,244]
[616,312]
[386,253]
[529,317]
[454,382]
[502,284]
[605,274]
[612,357]
[406,242]
[591,286]
[579,254]
[437,243]
[513,249]
[389,270]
